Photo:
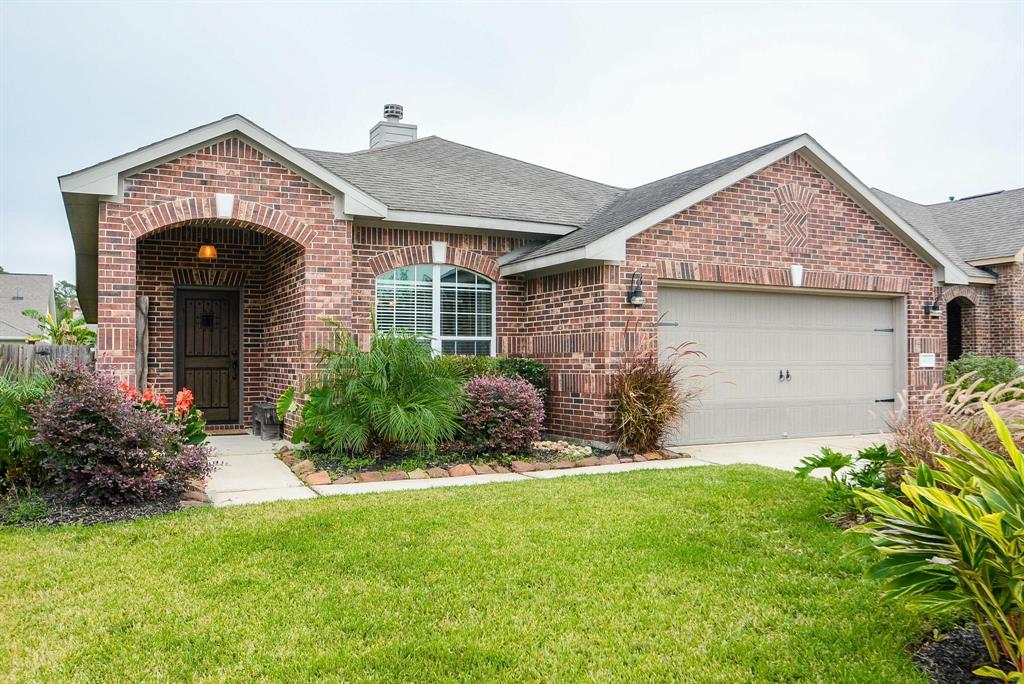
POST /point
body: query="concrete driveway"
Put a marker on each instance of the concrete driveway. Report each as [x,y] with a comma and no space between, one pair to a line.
[784,454]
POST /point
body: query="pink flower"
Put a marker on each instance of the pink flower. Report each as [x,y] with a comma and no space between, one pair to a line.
[147,396]
[183,401]
[160,401]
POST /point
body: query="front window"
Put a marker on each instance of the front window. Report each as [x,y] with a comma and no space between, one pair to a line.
[452,308]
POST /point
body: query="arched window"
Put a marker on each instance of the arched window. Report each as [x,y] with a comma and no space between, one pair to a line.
[451,307]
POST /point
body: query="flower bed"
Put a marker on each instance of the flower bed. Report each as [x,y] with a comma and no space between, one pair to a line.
[320,469]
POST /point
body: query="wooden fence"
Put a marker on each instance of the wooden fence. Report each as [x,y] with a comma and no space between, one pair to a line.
[24,358]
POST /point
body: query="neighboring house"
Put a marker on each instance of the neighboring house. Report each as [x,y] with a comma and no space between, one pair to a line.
[985,234]
[811,296]
[20,291]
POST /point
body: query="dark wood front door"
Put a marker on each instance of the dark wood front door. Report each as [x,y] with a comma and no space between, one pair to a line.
[206,353]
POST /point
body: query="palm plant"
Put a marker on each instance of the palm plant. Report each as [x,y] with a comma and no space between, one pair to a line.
[395,393]
[62,330]
[958,540]
[19,458]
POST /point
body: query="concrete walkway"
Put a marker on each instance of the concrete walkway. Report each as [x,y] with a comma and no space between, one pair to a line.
[250,473]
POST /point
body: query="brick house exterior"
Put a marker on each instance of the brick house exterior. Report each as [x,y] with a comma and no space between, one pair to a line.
[303,237]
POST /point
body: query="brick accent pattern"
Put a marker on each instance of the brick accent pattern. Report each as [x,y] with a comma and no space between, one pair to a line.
[735,236]
[378,249]
[303,264]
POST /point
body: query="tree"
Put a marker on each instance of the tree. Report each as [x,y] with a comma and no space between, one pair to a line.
[62,330]
[64,295]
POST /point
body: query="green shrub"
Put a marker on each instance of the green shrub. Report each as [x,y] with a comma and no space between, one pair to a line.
[23,509]
[468,367]
[846,472]
[20,459]
[991,370]
[394,394]
[957,541]
[530,370]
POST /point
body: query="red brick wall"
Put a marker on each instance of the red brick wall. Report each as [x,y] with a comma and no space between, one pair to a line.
[1007,311]
[267,272]
[748,233]
[269,199]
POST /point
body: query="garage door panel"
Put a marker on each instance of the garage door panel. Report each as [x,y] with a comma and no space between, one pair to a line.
[838,350]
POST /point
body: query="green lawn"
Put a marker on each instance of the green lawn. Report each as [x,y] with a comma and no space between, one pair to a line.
[697,575]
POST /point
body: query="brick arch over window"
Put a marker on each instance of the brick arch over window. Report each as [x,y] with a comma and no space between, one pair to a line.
[422,254]
[204,209]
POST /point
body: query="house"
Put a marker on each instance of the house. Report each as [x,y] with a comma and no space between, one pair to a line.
[18,292]
[210,259]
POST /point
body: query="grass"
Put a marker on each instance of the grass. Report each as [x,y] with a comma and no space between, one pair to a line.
[695,575]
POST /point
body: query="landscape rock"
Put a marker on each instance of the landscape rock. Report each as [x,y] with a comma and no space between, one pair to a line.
[562,465]
[461,470]
[370,476]
[194,495]
[668,454]
[188,503]
[588,461]
[541,465]
[437,472]
[638,458]
[482,469]
[288,459]
[345,479]
[498,468]
[625,459]
[610,459]
[419,474]
[303,467]
[393,475]
[521,467]
[654,456]
[321,477]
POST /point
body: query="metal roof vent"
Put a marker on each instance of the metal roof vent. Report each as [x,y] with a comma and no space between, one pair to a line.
[391,131]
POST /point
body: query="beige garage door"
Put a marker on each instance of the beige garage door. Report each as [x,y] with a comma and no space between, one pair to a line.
[835,356]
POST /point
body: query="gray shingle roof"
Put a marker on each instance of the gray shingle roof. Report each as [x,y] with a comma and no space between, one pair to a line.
[985,226]
[436,175]
[20,291]
[969,229]
[640,201]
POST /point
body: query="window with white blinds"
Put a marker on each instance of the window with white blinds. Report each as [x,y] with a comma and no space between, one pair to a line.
[451,307]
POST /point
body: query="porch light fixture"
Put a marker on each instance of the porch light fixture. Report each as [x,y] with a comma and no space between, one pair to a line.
[635,296]
[933,310]
[207,252]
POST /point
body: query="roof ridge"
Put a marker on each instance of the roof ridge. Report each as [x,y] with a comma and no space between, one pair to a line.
[370,150]
[539,166]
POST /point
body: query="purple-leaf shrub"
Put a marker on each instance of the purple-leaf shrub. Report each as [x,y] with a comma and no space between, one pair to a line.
[107,448]
[504,415]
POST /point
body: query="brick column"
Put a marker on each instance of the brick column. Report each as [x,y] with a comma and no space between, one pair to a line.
[115,345]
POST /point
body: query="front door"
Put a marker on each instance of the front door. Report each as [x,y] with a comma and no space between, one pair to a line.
[206,352]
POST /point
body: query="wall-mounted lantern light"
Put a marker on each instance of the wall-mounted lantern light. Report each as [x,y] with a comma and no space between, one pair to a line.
[933,310]
[796,274]
[635,296]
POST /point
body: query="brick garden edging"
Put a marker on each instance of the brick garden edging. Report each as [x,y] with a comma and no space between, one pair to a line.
[306,469]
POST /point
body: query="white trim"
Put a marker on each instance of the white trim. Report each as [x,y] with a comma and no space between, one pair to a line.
[991,261]
[481,222]
[612,247]
[104,179]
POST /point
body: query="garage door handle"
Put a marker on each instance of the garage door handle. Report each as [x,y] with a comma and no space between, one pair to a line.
[788,376]
[885,401]
[781,376]
[668,324]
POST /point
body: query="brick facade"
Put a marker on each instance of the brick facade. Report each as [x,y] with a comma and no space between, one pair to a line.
[296,263]
[280,232]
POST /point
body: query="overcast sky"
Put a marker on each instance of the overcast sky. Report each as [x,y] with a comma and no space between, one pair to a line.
[923,99]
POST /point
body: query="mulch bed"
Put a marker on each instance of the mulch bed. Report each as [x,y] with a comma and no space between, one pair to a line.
[61,512]
[953,658]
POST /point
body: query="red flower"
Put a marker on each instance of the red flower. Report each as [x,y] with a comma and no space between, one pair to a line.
[183,401]
[129,391]
[147,396]
[160,401]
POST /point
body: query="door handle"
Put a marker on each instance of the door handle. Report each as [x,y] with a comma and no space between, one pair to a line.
[788,376]
[781,378]
[234,369]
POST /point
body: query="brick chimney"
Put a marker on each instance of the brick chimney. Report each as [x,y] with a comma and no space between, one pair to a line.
[390,130]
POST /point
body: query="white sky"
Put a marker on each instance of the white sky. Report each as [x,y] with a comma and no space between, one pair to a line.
[922,99]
